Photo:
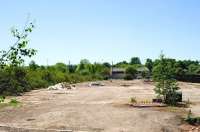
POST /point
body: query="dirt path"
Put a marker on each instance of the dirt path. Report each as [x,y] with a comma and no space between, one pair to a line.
[97,108]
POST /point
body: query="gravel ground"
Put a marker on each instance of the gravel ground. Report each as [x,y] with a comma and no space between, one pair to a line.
[96,109]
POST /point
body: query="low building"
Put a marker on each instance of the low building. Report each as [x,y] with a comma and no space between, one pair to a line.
[142,72]
[118,73]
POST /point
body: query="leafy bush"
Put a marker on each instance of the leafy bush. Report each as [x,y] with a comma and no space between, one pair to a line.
[13,81]
[128,77]
[131,73]
[14,102]
[192,120]
[2,98]
[135,60]
[166,85]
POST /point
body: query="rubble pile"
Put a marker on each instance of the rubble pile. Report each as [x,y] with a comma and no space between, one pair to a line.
[96,84]
[61,86]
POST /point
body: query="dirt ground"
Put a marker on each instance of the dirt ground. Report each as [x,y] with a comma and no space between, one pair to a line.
[96,109]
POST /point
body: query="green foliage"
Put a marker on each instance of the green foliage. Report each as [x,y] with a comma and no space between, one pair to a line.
[128,77]
[16,80]
[106,64]
[14,56]
[2,98]
[133,100]
[61,67]
[14,102]
[72,68]
[166,85]
[33,65]
[131,72]
[135,60]
[84,67]
[122,64]
[192,120]
[13,81]
[149,64]
[193,69]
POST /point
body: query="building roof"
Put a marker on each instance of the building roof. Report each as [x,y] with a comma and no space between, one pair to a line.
[141,69]
[114,69]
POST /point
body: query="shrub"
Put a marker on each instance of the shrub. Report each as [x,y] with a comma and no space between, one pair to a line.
[130,73]
[131,70]
[192,120]
[128,77]
[2,98]
[14,102]
[166,85]
[133,100]
[13,81]
[173,98]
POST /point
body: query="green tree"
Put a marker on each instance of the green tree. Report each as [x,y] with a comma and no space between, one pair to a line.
[14,56]
[149,64]
[61,67]
[130,72]
[85,67]
[193,69]
[135,60]
[33,65]
[166,85]
[106,64]
[13,78]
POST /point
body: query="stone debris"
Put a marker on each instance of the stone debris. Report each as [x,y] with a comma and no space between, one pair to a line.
[96,84]
[61,86]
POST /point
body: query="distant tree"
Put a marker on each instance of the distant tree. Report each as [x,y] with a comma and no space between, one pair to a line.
[61,67]
[180,68]
[193,69]
[85,61]
[166,85]
[131,72]
[198,71]
[149,64]
[72,68]
[33,65]
[122,63]
[135,60]
[106,64]
[85,67]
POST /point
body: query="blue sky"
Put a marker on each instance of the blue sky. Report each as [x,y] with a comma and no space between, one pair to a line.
[105,30]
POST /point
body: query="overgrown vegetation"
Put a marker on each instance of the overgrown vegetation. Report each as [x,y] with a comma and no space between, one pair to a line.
[12,76]
[133,100]
[2,98]
[192,120]
[14,102]
[166,85]
[130,73]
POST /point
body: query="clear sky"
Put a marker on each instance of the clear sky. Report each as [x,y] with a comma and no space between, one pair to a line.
[105,30]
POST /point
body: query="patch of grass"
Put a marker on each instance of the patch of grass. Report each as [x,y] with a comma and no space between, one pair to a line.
[192,120]
[2,99]
[14,102]
[133,100]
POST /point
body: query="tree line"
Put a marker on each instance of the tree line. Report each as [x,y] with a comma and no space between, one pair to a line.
[18,79]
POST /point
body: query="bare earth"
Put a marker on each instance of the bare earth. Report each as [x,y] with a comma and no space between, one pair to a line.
[96,109]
